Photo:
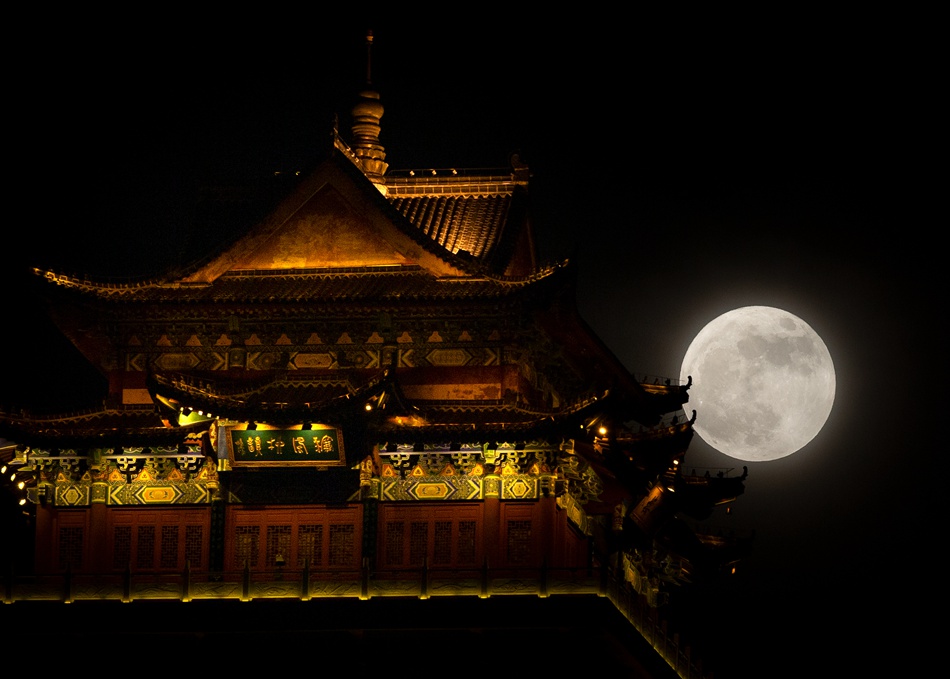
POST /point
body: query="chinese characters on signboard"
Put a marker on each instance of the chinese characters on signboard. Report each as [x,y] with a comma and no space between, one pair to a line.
[286,447]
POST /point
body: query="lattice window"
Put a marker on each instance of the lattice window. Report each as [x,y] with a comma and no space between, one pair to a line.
[309,545]
[122,546]
[169,550]
[194,546]
[70,547]
[442,553]
[342,545]
[466,542]
[278,542]
[145,547]
[519,541]
[247,545]
[418,542]
[395,542]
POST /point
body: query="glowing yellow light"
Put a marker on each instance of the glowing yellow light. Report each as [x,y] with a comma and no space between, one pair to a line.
[602,431]
[22,501]
[3,469]
[368,406]
[21,485]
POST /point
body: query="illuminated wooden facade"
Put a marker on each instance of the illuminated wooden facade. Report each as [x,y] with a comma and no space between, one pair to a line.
[376,376]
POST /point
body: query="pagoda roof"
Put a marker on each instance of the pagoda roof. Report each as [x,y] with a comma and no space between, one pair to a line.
[344,238]
[335,225]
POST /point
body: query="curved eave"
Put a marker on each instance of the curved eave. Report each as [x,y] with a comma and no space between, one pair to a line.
[698,494]
[582,348]
[106,428]
[652,450]
[368,285]
[379,406]
[667,395]
[278,401]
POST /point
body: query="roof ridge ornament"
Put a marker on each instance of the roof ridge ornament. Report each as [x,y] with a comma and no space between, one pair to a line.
[367,112]
[369,57]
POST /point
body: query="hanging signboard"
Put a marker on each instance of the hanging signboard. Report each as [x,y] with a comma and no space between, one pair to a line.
[319,446]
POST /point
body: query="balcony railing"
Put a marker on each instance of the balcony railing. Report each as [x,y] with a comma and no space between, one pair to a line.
[305,584]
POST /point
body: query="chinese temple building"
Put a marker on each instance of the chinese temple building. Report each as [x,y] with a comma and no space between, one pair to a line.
[371,387]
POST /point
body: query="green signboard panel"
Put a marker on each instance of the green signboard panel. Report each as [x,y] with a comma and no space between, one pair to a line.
[286,447]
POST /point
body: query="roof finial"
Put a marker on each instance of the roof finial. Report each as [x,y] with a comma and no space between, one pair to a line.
[365,128]
[369,57]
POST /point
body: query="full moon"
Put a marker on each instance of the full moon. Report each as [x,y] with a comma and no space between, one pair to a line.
[763,383]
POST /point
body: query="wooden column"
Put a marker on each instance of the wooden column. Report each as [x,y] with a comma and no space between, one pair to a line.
[491,533]
[100,556]
[43,544]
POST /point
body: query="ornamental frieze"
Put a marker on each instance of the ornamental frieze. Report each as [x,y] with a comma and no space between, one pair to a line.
[133,477]
[303,348]
[467,488]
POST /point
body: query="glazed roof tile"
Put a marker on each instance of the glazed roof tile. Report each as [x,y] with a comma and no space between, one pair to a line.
[471,224]
[470,212]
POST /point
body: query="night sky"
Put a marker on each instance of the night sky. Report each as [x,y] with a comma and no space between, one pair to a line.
[692,167]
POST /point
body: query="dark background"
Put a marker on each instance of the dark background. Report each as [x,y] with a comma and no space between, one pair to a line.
[692,164]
